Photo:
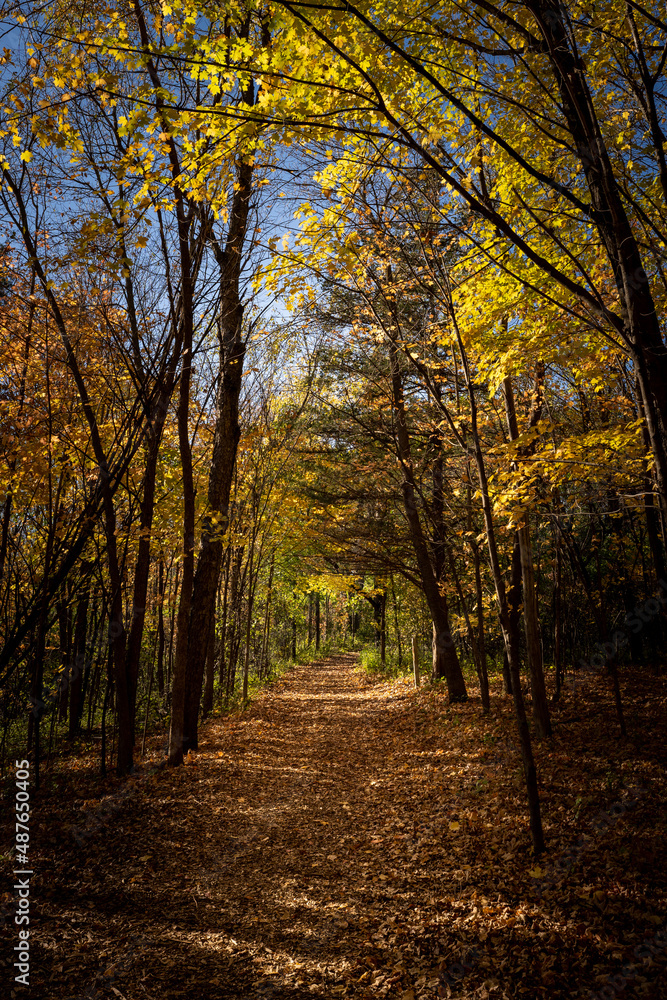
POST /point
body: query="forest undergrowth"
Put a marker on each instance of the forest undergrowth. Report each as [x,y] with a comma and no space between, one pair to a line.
[350,836]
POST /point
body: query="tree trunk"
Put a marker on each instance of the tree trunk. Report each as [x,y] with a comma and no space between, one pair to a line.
[264,664]
[160,628]
[76,676]
[530,617]
[225,442]
[478,657]
[383,628]
[143,560]
[227,561]
[177,737]
[65,638]
[310,617]
[251,593]
[396,624]
[558,620]
[529,768]
[481,639]
[207,703]
[640,325]
[445,660]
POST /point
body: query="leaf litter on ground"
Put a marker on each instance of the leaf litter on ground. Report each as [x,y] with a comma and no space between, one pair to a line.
[348,836]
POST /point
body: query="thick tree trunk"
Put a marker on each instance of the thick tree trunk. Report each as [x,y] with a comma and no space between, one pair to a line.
[640,326]
[225,442]
[177,737]
[445,663]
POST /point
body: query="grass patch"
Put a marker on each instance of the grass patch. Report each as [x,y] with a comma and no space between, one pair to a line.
[372,663]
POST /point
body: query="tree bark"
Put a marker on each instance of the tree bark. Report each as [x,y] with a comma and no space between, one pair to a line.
[528,760]
[640,325]
[226,437]
[160,628]
[530,616]
[80,634]
[445,660]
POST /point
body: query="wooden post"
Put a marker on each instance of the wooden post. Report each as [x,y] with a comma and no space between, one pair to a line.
[415,659]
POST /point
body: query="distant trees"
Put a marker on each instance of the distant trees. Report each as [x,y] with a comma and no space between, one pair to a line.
[465,411]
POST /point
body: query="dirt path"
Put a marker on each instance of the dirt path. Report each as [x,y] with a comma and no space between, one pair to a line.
[336,839]
[260,869]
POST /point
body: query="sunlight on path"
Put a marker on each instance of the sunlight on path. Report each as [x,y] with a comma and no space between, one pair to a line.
[290,872]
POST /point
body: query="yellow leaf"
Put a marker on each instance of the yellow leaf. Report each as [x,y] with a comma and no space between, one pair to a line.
[26,156]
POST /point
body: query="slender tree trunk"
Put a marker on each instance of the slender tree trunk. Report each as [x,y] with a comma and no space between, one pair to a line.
[65,637]
[558,619]
[600,620]
[310,617]
[173,604]
[383,627]
[225,439]
[264,665]
[529,768]
[481,639]
[80,634]
[530,617]
[207,703]
[445,660]
[143,560]
[227,562]
[251,592]
[654,522]
[480,662]
[396,624]
[160,628]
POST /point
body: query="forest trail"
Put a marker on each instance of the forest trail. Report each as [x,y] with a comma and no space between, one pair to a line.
[336,839]
[261,869]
